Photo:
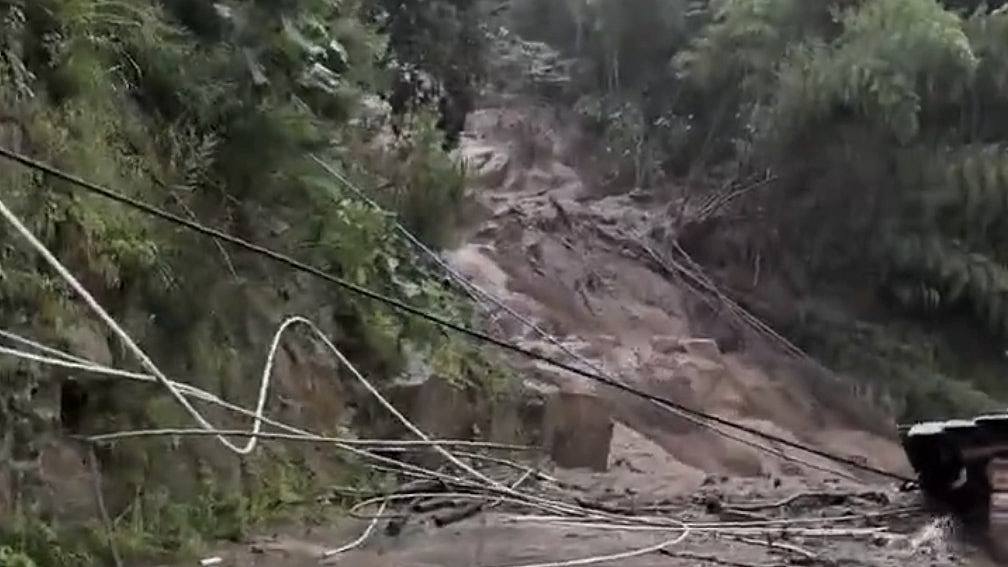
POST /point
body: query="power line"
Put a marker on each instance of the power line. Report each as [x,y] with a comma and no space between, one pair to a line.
[415,311]
[484,299]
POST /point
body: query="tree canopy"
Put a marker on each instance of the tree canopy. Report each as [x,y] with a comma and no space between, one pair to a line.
[880,123]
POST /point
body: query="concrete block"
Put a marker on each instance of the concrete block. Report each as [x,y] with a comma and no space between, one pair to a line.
[577,431]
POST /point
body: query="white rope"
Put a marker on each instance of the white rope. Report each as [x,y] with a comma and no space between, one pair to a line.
[207,397]
[177,393]
[297,434]
[384,443]
[659,520]
[374,392]
[593,520]
[595,560]
[360,540]
[181,392]
[714,529]
[145,361]
[42,348]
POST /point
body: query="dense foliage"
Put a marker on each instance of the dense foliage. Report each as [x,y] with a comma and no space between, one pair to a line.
[437,49]
[212,110]
[885,119]
[881,124]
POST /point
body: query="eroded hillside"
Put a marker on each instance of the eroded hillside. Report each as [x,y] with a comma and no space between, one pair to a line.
[568,259]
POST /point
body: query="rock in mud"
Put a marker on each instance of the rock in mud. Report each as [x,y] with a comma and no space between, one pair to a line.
[437,407]
[667,344]
[705,348]
[578,430]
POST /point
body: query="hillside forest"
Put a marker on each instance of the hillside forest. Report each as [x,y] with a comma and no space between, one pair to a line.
[858,144]
[855,149]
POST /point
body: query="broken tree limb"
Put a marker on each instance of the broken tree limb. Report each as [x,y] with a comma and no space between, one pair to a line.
[475,508]
[742,513]
[714,559]
[829,498]
[779,546]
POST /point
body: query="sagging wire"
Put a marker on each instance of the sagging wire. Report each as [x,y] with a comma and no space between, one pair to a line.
[433,318]
[181,392]
[494,491]
[482,297]
[590,519]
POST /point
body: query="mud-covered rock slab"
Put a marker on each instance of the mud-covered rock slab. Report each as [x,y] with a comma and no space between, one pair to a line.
[438,407]
[704,348]
[578,430]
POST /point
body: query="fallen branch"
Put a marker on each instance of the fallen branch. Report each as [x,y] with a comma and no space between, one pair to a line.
[514,465]
[413,486]
[476,507]
[714,559]
[617,510]
[433,505]
[779,546]
[722,200]
[464,513]
[744,514]
[220,247]
[696,272]
[830,498]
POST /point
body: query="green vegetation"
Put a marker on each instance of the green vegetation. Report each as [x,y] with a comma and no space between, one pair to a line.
[11,558]
[212,110]
[882,126]
[439,50]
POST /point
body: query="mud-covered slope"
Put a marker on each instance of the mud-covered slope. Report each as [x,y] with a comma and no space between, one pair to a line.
[571,260]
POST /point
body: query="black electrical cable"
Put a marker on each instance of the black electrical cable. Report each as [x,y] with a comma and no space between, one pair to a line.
[480,336]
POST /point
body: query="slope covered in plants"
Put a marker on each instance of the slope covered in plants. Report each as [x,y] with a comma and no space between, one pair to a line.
[214,111]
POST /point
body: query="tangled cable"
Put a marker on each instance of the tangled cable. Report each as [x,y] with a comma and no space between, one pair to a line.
[485,300]
[709,419]
[181,392]
[472,485]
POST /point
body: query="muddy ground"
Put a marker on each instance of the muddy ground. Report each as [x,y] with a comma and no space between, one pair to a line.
[873,526]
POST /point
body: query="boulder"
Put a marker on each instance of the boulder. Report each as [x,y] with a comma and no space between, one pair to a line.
[519,418]
[666,344]
[705,348]
[577,431]
[488,167]
[437,407]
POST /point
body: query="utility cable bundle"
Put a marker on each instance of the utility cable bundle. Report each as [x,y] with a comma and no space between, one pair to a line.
[463,479]
[714,422]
